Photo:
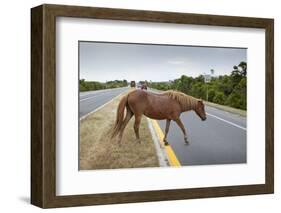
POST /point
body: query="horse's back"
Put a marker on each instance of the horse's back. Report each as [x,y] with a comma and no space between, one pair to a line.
[137,100]
[153,105]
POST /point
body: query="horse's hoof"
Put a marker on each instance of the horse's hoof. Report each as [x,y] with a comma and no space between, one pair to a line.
[166,143]
[186,142]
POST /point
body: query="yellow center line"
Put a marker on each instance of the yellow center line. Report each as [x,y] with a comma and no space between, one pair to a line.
[173,160]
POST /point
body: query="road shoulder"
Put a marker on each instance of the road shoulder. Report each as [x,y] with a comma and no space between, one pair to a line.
[240,112]
[99,151]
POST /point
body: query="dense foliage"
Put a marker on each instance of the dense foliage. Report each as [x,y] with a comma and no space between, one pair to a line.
[228,90]
[95,85]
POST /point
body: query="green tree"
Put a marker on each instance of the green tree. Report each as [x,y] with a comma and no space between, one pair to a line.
[219,98]
[243,66]
[238,98]
[227,89]
[211,94]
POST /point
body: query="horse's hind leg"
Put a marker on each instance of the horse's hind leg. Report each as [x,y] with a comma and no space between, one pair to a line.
[137,126]
[180,124]
[129,115]
[168,121]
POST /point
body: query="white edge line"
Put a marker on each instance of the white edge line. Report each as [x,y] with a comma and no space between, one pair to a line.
[84,116]
[233,124]
[93,92]
[93,96]
[162,157]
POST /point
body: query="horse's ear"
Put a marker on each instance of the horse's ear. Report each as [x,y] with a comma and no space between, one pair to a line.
[200,101]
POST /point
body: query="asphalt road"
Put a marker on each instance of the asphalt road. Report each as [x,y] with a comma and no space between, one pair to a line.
[90,101]
[221,139]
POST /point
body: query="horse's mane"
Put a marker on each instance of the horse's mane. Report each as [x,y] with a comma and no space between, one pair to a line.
[186,101]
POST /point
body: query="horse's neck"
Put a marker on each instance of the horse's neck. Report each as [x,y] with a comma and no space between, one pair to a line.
[190,106]
[185,109]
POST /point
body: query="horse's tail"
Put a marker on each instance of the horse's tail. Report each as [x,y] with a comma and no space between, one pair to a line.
[119,116]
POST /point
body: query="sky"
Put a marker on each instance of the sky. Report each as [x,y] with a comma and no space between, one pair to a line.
[101,61]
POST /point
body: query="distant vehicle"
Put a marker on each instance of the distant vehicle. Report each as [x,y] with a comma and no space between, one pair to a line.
[143,86]
[133,84]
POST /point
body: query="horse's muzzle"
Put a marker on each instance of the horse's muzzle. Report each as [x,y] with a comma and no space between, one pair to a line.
[203,119]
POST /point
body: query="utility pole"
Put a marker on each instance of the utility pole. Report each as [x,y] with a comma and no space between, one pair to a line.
[207,96]
[207,79]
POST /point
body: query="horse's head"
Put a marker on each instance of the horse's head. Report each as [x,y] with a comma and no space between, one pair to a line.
[200,110]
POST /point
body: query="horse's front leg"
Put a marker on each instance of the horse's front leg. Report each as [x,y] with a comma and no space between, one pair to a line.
[168,121]
[180,124]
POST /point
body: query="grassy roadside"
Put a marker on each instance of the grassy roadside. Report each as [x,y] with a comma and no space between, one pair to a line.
[227,109]
[98,151]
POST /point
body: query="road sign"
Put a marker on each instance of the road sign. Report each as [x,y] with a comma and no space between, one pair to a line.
[207,78]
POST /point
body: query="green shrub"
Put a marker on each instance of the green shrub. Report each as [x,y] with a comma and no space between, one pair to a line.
[219,98]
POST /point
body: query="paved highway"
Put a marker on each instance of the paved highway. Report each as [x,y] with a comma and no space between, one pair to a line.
[221,139]
[90,101]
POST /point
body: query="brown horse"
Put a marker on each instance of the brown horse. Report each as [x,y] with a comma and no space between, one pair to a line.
[168,105]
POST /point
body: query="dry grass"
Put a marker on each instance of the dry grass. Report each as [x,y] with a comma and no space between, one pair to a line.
[98,151]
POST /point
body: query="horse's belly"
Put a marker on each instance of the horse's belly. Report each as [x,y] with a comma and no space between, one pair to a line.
[156,115]
[161,108]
